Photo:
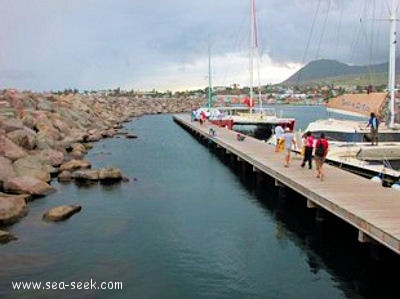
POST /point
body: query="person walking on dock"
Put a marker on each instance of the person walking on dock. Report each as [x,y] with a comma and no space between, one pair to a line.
[278,136]
[203,117]
[288,137]
[373,122]
[309,146]
[321,150]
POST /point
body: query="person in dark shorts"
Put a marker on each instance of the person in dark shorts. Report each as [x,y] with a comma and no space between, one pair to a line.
[309,146]
[373,122]
[321,150]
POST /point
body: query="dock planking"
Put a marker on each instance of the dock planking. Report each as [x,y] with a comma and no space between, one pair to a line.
[369,207]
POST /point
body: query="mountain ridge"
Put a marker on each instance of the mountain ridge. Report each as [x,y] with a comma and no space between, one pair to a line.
[335,71]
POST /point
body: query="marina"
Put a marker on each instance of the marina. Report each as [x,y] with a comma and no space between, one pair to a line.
[191,225]
[122,175]
[372,209]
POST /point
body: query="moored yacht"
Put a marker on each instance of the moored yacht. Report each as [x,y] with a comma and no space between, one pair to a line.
[350,140]
[257,122]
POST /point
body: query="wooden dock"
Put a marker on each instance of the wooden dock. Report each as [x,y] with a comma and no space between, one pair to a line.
[369,207]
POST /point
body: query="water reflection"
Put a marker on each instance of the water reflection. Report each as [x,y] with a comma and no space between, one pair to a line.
[360,270]
[330,245]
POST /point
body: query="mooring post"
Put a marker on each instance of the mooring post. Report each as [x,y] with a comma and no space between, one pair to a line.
[259,175]
[311,204]
[319,215]
[363,237]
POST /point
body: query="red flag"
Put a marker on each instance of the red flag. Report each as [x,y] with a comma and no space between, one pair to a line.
[248,102]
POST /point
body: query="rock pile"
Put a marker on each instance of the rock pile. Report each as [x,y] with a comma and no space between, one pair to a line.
[45,135]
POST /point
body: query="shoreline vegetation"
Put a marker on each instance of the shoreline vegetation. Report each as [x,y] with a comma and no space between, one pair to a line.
[46,136]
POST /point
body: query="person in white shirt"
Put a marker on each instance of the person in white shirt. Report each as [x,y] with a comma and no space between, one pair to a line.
[288,136]
[278,136]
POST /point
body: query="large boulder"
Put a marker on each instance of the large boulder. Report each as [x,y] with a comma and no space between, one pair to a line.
[29,120]
[29,185]
[61,212]
[44,105]
[46,139]
[4,104]
[10,150]
[52,157]
[78,147]
[33,166]
[77,155]
[11,124]
[12,209]
[25,138]
[75,136]
[61,126]
[7,170]
[75,165]
[96,136]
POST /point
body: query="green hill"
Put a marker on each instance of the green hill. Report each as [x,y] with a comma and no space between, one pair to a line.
[334,72]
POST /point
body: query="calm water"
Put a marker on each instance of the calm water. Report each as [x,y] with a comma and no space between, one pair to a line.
[190,225]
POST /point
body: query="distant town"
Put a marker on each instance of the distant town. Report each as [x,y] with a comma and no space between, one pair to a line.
[225,95]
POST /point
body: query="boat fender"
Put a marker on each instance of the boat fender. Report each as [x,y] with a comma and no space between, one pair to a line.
[377,178]
[396,186]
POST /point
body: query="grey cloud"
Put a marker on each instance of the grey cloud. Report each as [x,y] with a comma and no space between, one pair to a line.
[97,44]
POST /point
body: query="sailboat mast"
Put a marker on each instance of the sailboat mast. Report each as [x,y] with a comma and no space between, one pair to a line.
[254,52]
[392,62]
[209,78]
[252,49]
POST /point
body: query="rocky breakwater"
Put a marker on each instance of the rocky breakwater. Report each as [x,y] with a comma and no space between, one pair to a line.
[46,135]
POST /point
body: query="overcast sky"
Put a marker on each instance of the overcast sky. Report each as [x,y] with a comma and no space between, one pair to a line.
[163,44]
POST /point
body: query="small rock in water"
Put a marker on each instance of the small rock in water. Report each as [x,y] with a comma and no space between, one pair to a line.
[65,176]
[61,213]
[110,174]
[86,175]
[6,237]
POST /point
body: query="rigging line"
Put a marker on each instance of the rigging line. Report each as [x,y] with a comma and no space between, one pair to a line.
[309,40]
[378,26]
[323,28]
[369,43]
[371,69]
[388,7]
[238,40]
[373,41]
[355,39]
[255,33]
[338,32]
[355,43]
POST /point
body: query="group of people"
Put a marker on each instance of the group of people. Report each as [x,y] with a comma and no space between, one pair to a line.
[317,148]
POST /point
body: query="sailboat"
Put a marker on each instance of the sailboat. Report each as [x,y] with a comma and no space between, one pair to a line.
[252,119]
[350,140]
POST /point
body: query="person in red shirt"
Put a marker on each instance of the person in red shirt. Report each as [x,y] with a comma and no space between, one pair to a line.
[321,150]
[203,117]
[309,146]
